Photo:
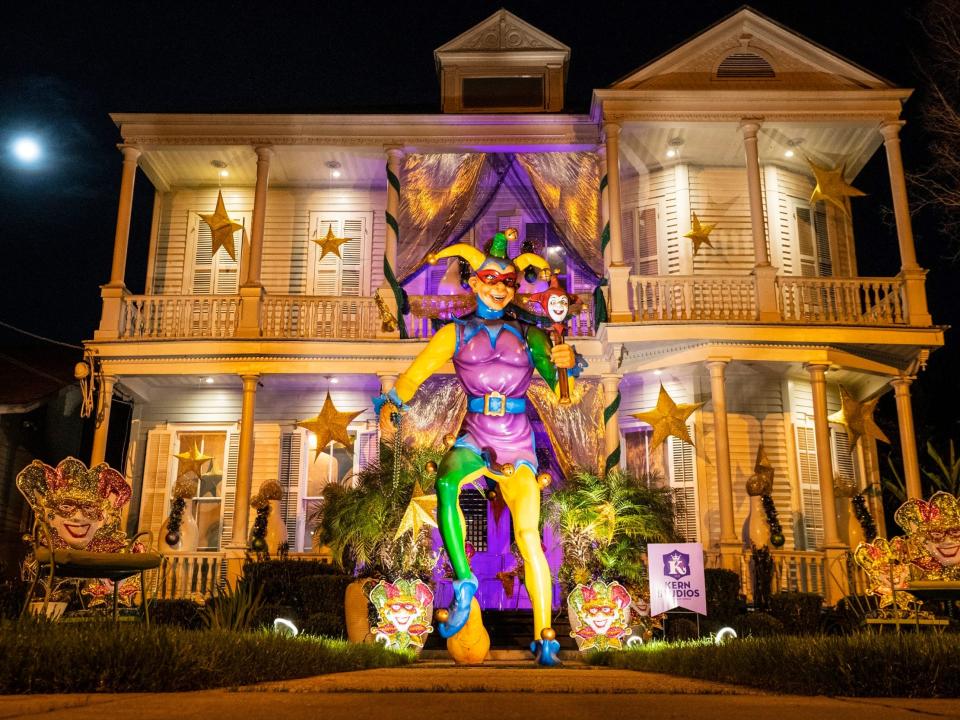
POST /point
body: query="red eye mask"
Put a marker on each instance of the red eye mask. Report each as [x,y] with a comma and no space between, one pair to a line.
[492,277]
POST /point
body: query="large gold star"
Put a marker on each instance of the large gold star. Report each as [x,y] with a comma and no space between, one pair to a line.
[831,187]
[330,243]
[222,229]
[699,233]
[192,461]
[858,417]
[330,424]
[418,513]
[668,418]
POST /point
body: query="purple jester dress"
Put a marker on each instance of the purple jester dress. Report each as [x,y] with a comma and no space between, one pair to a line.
[494,365]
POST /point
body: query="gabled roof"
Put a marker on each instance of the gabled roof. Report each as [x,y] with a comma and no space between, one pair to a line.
[796,60]
[502,32]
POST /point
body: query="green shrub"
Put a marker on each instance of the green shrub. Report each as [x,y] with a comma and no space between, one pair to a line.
[45,657]
[266,614]
[723,594]
[326,624]
[184,614]
[280,579]
[680,628]
[757,624]
[799,612]
[323,594]
[234,609]
[862,665]
[12,595]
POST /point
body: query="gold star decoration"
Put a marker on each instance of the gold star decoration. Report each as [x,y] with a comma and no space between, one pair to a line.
[330,243]
[699,233]
[858,418]
[192,461]
[831,187]
[222,229]
[418,513]
[668,418]
[330,424]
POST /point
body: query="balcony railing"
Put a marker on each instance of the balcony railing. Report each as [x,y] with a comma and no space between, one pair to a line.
[678,298]
[308,316]
[848,301]
[178,316]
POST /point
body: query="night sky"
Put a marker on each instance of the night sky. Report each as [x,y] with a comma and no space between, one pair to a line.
[65,66]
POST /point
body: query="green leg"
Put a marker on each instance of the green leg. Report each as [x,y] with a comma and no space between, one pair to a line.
[456,465]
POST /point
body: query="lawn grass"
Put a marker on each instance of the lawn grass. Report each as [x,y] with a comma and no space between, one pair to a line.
[47,657]
[912,665]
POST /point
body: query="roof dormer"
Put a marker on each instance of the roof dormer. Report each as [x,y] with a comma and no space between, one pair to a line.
[502,65]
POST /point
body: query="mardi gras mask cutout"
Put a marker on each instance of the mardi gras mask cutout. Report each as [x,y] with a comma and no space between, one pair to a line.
[887,564]
[404,609]
[602,615]
[81,505]
[935,523]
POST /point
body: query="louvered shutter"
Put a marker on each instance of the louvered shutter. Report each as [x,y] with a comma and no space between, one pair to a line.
[824,261]
[805,243]
[844,462]
[156,480]
[648,260]
[628,239]
[230,489]
[217,274]
[683,482]
[809,487]
[337,276]
[292,445]
[366,448]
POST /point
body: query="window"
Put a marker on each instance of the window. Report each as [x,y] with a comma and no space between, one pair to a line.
[474,506]
[213,502]
[214,273]
[525,91]
[348,274]
[813,240]
[811,508]
[639,232]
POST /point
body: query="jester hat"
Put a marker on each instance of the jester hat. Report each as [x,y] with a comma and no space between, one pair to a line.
[940,512]
[413,591]
[599,593]
[44,486]
[496,255]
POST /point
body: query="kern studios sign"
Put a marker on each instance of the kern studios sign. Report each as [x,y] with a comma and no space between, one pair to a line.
[676,577]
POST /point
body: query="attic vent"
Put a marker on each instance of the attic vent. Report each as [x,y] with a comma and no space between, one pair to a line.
[744,64]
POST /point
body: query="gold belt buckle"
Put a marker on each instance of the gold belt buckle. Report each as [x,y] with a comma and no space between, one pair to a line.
[486,404]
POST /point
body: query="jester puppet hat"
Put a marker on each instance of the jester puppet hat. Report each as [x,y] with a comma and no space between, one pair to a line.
[940,512]
[46,487]
[495,258]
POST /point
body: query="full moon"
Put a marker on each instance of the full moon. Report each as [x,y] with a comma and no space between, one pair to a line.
[26,149]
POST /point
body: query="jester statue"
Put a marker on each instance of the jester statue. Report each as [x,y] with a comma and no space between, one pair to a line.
[494,355]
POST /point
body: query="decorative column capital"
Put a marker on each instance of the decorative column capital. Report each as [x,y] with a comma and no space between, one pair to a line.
[610,381]
[750,126]
[394,151]
[250,380]
[890,129]
[611,131]
[717,365]
[816,368]
[902,383]
[264,152]
[131,153]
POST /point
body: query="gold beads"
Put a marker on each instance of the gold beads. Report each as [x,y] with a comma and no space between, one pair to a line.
[548,634]
[449,440]
[544,479]
[432,258]
[430,467]
[442,615]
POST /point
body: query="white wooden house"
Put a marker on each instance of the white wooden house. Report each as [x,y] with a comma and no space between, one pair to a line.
[762,326]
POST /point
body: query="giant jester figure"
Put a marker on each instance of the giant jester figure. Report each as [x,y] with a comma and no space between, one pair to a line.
[494,355]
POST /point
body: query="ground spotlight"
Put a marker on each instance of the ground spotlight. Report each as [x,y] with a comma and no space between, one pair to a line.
[724,635]
[282,625]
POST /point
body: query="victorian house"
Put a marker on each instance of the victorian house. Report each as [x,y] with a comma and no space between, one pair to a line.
[704,201]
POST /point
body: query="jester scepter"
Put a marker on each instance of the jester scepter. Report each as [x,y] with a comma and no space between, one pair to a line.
[494,355]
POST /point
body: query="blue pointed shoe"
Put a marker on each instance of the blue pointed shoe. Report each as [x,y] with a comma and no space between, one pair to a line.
[463,592]
[546,652]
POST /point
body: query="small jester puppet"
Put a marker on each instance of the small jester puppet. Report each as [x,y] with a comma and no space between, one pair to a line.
[556,303]
[82,508]
[933,527]
[494,355]
[403,609]
[887,564]
[602,615]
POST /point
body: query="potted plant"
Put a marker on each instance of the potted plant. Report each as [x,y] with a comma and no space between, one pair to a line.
[367,525]
[603,525]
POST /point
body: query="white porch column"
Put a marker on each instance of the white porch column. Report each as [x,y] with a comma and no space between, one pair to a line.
[114,291]
[617,272]
[834,551]
[913,275]
[611,425]
[604,198]
[394,158]
[102,421]
[908,439]
[241,507]
[730,546]
[764,273]
[251,290]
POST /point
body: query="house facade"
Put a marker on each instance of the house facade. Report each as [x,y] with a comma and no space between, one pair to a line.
[705,201]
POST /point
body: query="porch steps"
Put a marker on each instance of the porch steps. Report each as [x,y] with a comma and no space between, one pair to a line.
[511,631]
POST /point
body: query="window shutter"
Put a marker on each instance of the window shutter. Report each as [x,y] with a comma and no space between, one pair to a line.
[844,463]
[809,487]
[156,480]
[805,244]
[824,262]
[230,488]
[217,274]
[648,259]
[629,239]
[683,481]
[366,447]
[337,276]
[291,454]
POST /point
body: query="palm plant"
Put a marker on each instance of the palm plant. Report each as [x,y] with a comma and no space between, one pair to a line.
[605,523]
[359,519]
[944,476]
